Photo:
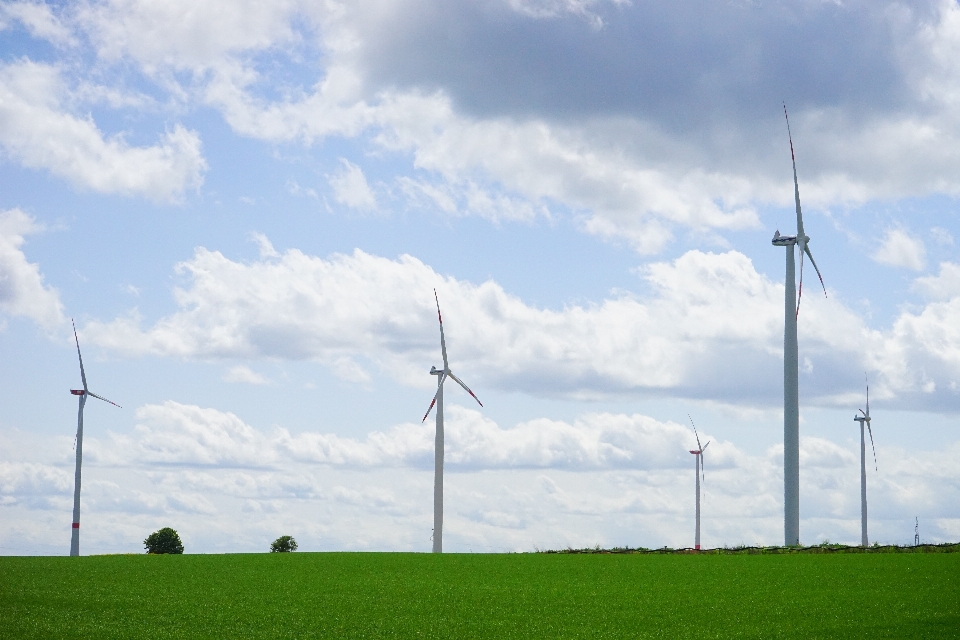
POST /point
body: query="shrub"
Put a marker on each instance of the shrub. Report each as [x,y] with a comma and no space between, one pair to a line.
[283,544]
[165,540]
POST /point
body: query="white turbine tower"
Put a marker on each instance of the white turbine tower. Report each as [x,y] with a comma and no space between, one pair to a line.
[791,377]
[697,471]
[442,375]
[865,418]
[83,393]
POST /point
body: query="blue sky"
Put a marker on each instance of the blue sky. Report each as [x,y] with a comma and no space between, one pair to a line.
[246,208]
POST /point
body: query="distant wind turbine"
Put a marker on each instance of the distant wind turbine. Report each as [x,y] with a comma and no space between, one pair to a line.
[698,471]
[83,393]
[791,376]
[865,418]
[442,374]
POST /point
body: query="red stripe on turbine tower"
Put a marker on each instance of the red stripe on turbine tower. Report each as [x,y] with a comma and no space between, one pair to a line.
[76,525]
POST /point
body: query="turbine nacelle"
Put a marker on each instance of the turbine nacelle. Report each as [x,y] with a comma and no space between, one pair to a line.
[783,241]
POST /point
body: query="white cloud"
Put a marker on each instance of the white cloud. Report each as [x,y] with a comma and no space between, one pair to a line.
[633,162]
[38,131]
[922,351]
[264,245]
[185,35]
[244,374]
[899,249]
[39,21]
[350,187]
[943,286]
[178,434]
[297,306]
[174,433]
[608,479]
[22,290]
[707,315]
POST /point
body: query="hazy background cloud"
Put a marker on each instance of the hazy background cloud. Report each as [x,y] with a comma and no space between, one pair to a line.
[608,479]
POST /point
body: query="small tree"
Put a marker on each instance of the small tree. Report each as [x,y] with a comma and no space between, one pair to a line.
[283,544]
[165,540]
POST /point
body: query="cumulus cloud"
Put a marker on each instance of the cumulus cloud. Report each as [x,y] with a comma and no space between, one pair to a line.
[350,187]
[22,290]
[899,249]
[493,127]
[38,130]
[559,126]
[923,348]
[707,315]
[302,307]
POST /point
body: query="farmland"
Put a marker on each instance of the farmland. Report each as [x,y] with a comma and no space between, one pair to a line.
[385,595]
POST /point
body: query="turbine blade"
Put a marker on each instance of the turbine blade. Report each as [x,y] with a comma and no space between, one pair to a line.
[91,393]
[83,376]
[466,388]
[800,292]
[705,446]
[796,184]
[861,411]
[867,414]
[806,249]
[443,342]
[870,431]
[699,448]
[434,401]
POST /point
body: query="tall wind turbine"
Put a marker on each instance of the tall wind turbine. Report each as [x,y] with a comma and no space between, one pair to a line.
[791,377]
[83,393]
[442,375]
[865,418]
[697,471]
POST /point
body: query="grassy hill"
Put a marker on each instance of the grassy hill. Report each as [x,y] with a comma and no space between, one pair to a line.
[399,595]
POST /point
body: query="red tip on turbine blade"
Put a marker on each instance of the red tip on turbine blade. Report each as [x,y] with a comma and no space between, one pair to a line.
[432,402]
[476,398]
[76,525]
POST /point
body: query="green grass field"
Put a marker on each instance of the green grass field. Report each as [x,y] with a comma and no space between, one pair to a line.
[385,595]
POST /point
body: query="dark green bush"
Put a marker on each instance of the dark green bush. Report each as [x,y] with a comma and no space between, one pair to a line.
[283,544]
[165,540]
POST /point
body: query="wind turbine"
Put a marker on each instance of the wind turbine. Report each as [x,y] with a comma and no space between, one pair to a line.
[865,418]
[697,471]
[442,375]
[791,377]
[83,393]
